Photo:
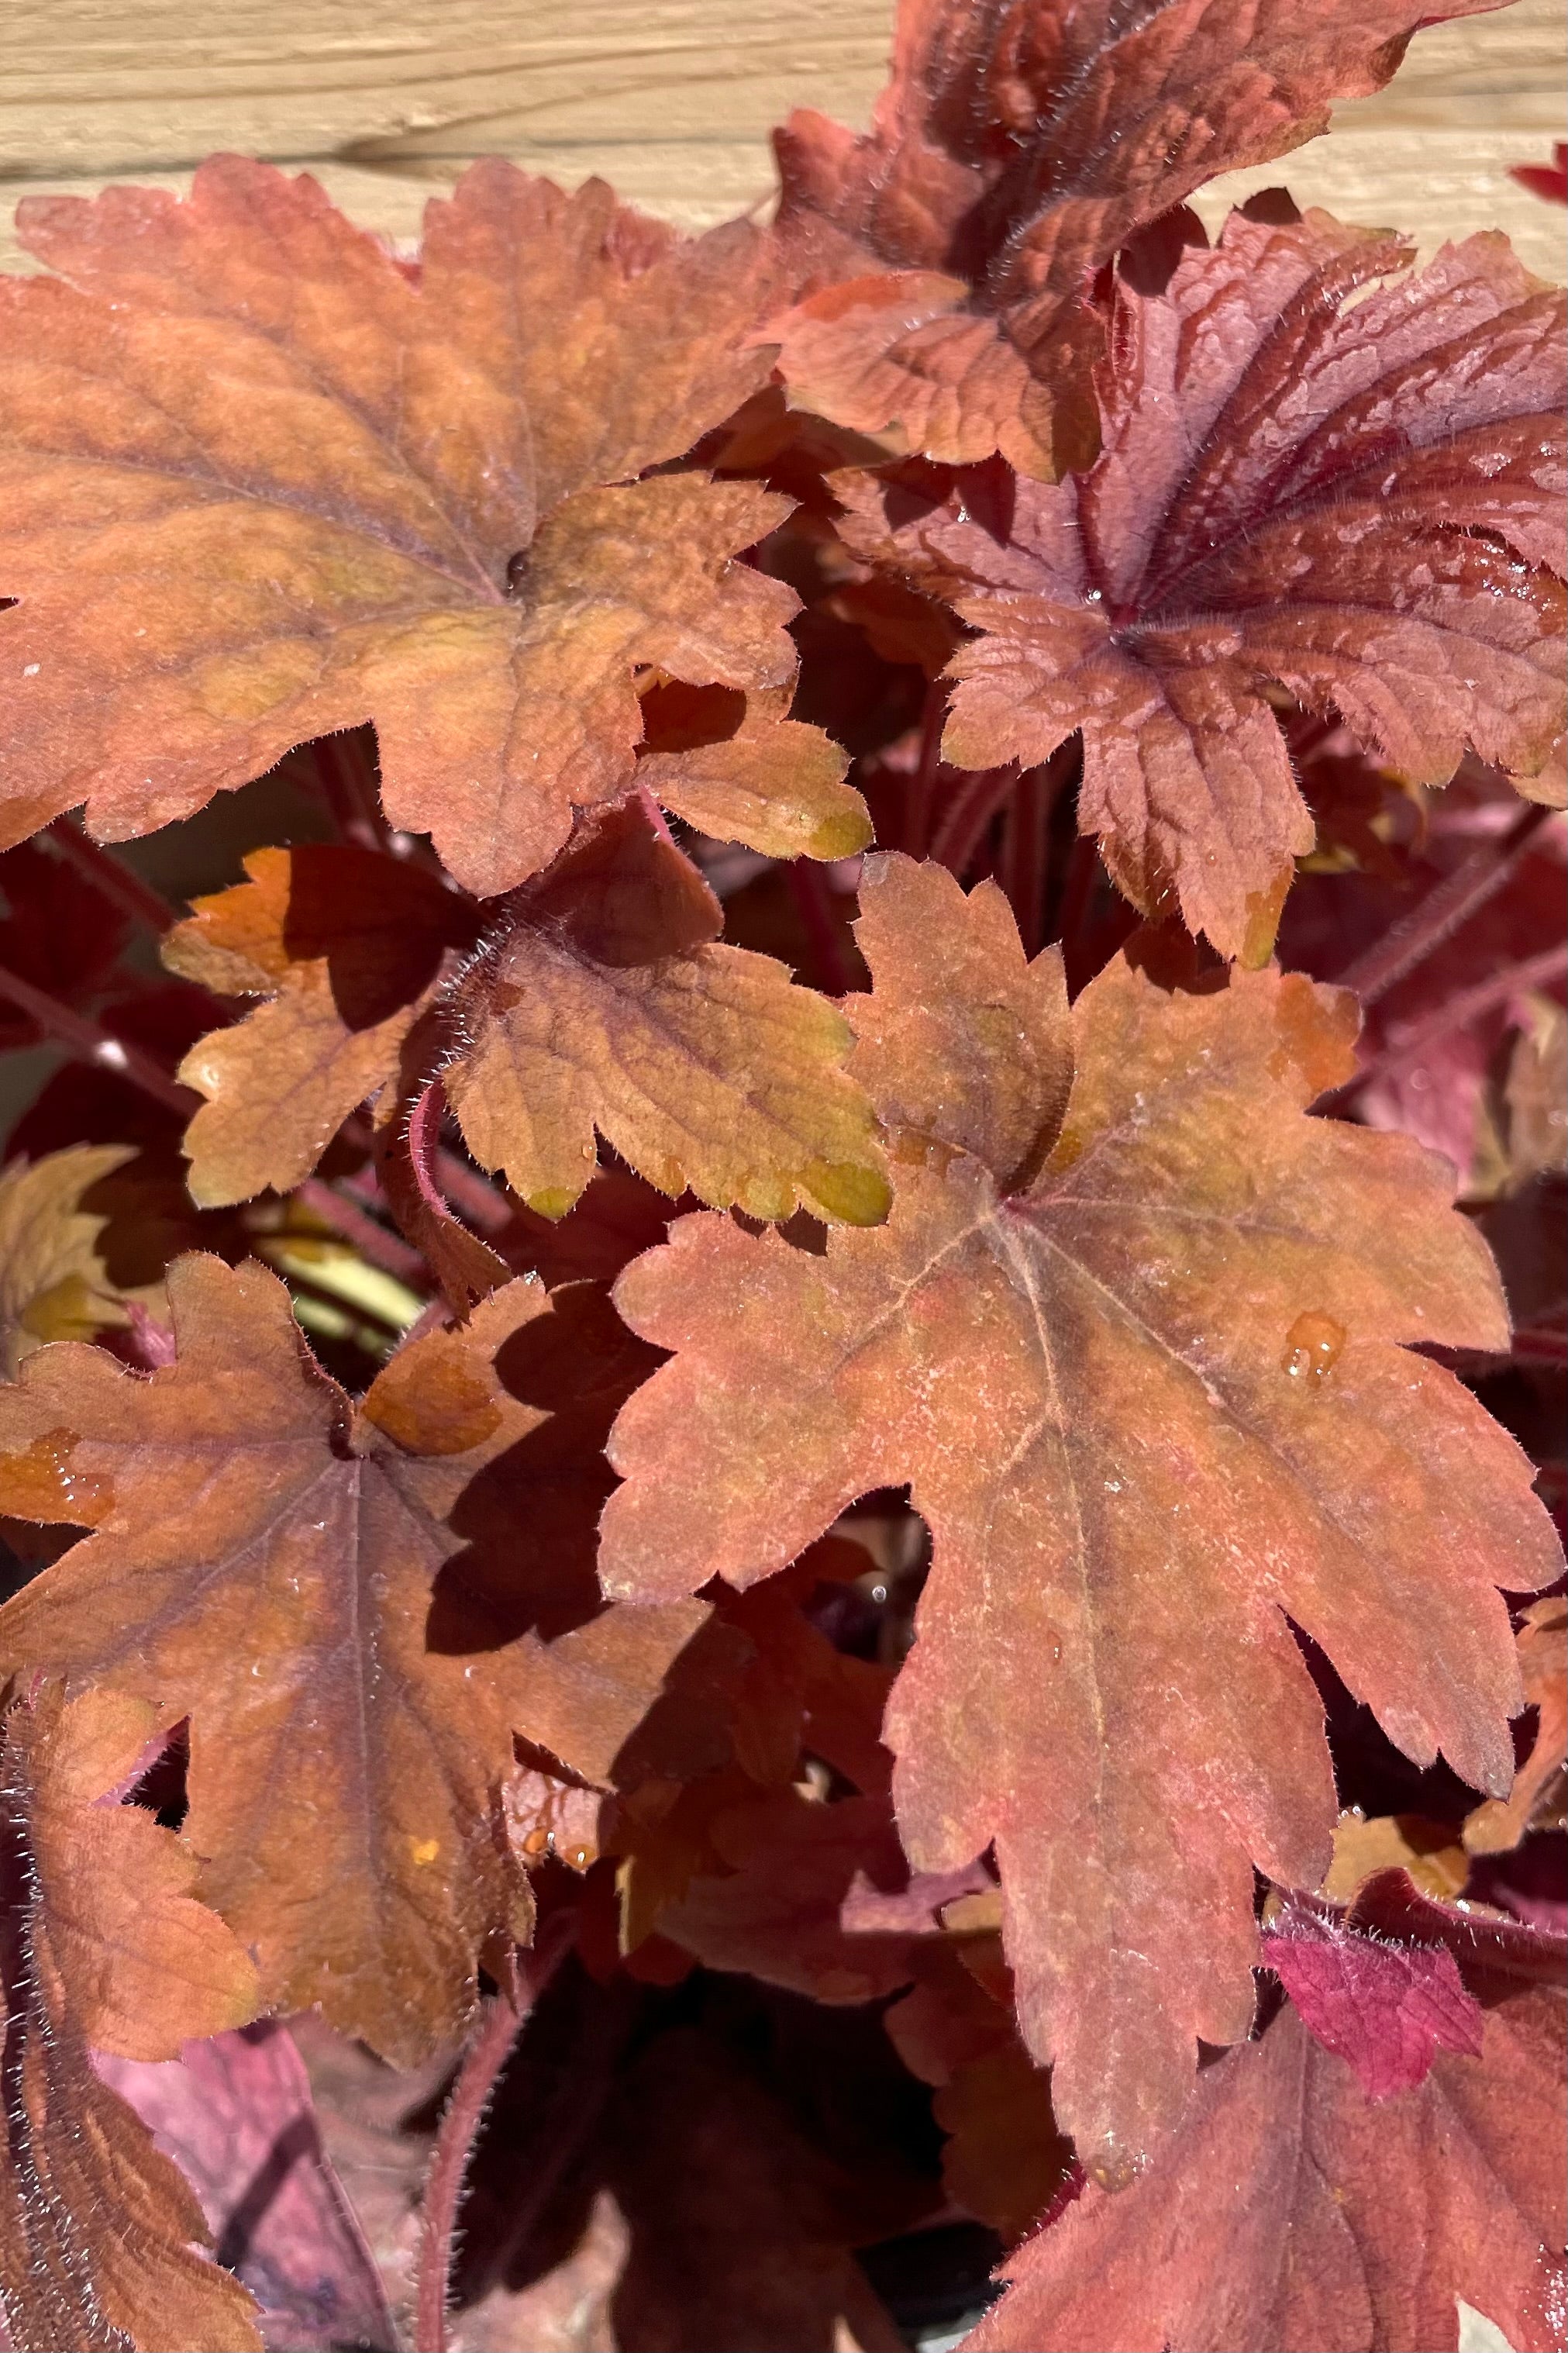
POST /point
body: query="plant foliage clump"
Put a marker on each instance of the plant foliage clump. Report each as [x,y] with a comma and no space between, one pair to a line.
[777,1413]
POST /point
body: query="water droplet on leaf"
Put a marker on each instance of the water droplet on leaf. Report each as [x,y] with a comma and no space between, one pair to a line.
[1312,1345]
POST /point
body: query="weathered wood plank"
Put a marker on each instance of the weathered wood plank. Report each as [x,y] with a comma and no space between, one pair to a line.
[670,98]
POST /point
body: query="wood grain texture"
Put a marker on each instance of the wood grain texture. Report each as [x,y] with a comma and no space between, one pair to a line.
[671,100]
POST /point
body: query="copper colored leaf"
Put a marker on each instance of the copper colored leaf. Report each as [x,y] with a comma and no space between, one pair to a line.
[595,999]
[1148,1405]
[1428,1850]
[1500,1823]
[1386,2008]
[792,1864]
[339,1604]
[1005,2158]
[1018,145]
[600,1000]
[236,2113]
[53,1285]
[736,767]
[1362,504]
[101,1942]
[1289,2212]
[345,944]
[262,483]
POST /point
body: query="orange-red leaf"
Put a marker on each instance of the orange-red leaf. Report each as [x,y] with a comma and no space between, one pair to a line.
[1290,2211]
[346,946]
[1362,504]
[596,999]
[261,482]
[1500,1823]
[1150,1404]
[736,766]
[602,1001]
[1017,146]
[341,1605]
[103,1944]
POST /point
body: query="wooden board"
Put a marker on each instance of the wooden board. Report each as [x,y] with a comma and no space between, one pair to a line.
[671,100]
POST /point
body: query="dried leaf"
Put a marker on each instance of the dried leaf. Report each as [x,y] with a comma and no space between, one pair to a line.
[1362,504]
[236,2113]
[1005,2159]
[103,1943]
[53,1285]
[325,1594]
[1428,1850]
[1016,147]
[1289,2212]
[263,483]
[1148,1405]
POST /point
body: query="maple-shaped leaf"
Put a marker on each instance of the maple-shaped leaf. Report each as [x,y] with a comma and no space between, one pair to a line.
[101,1942]
[1289,2211]
[597,998]
[340,1604]
[1361,503]
[1140,1359]
[262,483]
[1017,146]
[601,999]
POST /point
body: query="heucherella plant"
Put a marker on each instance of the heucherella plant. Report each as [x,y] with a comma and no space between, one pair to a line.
[761,1412]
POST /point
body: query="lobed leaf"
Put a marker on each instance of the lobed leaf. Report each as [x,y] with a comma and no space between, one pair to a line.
[103,1943]
[1385,2008]
[1289,2211]
[1151,1404]
[263,483]
[1017,145]
[595,1000]
[340,1604]
[1361,504]
[603,1002]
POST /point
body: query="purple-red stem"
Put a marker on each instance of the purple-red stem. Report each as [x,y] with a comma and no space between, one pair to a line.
[471,2095]
[387,1250]
[1440,913]
[1023,872]
[808,886]
[95,1044]
[350,795]
[1466,1005]
[970,809]
[118,883]
[923,784]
